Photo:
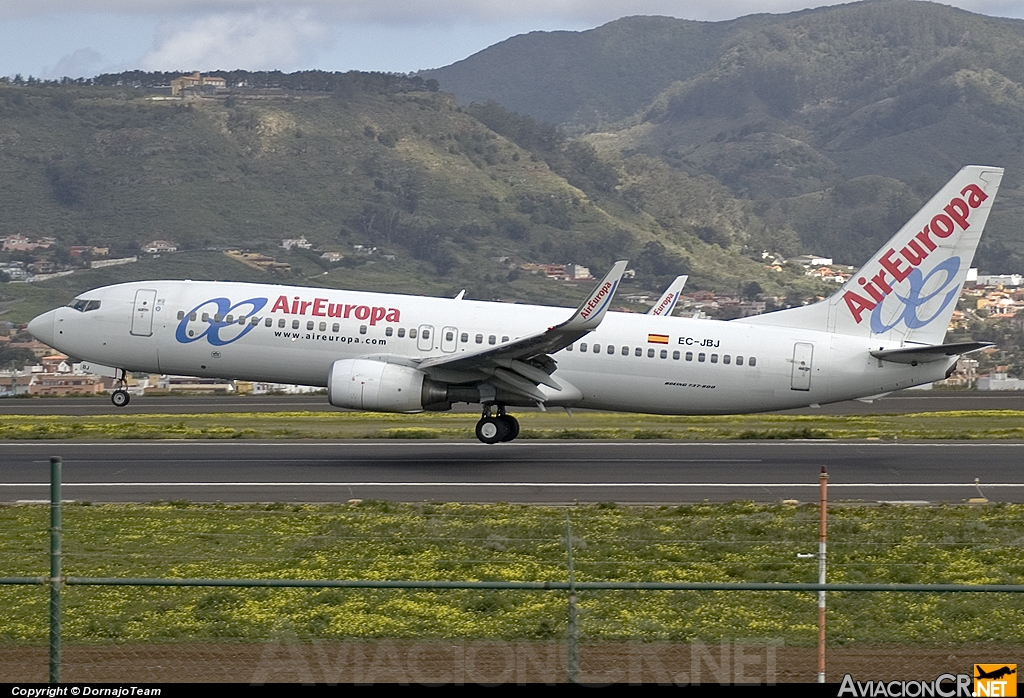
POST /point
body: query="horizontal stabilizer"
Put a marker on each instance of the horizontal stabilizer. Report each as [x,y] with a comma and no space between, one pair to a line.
[927,354]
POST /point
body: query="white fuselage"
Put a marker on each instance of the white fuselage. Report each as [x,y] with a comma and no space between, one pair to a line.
[684,366]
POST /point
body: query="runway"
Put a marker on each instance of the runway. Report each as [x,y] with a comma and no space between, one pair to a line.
[523,471]
[907,401]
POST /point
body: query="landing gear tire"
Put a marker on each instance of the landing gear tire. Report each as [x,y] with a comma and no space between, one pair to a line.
[120,398]
[491,430]
[513,426]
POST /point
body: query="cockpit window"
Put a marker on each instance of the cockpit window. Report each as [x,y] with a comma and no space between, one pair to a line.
[84,306]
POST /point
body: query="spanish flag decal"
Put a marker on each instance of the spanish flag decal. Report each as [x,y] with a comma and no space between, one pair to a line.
[657,339]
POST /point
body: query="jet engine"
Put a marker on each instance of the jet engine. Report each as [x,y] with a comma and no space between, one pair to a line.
[364,384]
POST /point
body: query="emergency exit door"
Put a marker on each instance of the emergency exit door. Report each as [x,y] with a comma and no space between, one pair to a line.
[803,353]
[142,316]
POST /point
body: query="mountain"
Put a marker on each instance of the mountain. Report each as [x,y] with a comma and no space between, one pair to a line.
[379,162]
[790,111]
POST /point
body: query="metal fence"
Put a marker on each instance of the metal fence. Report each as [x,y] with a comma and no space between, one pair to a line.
[535,631]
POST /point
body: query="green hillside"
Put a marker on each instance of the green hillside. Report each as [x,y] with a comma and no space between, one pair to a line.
[779,108]
[448,202]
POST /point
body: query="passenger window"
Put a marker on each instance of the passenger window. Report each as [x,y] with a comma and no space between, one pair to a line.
[216,317]
[254,321]
[700,357]
[426,334]
[569,348]
[714,358]
[388,331]
[241,319]
[412,333]
[295,324]
[465,337]
[650,353]
[752,361]
[597,348]
[611,349]
[675,355]
[479,339]
[230,319]
[625,351]
[192,317]
[280,323]
[504,339]
[309,325]
[583,346]
[664,353]
[739,360]
[639,352]
[206,317]
[689,356]
[323,326]
[492,339]
[362,330]
[269,322]
[401,331]
[336,327]
[726,359]
[181,314]
[449,336]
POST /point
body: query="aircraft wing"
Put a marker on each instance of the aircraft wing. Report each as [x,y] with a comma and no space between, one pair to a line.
[523,364]
[927,353]
[667,303]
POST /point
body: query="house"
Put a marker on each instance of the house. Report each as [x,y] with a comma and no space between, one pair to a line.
[301,242]
[64,384]
[159,247]
[332,257]
[20,243]
[196,83]
[812,260]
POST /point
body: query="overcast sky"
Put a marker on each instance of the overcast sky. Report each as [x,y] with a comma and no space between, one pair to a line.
[81,38]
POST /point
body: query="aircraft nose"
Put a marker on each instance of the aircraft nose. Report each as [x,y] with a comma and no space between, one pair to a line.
[41,327]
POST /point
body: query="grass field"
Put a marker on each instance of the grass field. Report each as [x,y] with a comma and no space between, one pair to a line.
[981,424]
[376,540]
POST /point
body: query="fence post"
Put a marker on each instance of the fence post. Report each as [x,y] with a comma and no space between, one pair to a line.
[55,568]
[574,659]
[822,546]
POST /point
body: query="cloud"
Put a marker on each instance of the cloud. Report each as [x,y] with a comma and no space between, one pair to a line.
[449,11]
[262,39]
[81,63]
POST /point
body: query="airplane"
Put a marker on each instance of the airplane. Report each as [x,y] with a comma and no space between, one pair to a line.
[667,303]
[881,331]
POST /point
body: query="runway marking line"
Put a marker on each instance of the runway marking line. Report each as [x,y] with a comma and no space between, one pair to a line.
[707,485]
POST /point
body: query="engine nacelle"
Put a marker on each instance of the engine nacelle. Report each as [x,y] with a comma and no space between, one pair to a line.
[362,384]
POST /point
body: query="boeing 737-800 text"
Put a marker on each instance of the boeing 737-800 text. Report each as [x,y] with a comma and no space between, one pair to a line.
[881,331]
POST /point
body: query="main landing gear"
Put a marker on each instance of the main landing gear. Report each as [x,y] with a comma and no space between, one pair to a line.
[120,397]
[497,427]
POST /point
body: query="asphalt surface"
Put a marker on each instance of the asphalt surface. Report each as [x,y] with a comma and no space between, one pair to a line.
[902,402]
[523,471]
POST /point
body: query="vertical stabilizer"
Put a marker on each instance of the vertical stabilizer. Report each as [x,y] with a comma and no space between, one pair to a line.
[667,303]
[908,290]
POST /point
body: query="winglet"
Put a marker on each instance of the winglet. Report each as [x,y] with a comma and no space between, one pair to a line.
[592,311]
[667,303]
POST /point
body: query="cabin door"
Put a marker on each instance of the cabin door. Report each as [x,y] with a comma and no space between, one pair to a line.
[142,316]
[803,352]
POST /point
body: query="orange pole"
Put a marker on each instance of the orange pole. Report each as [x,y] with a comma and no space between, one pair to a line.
[822,545]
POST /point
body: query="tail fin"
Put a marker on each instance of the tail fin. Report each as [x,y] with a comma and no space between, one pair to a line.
[667,303]
[907,291]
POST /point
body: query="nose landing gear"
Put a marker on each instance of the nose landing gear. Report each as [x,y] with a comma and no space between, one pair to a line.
[120,397]
[497,427]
